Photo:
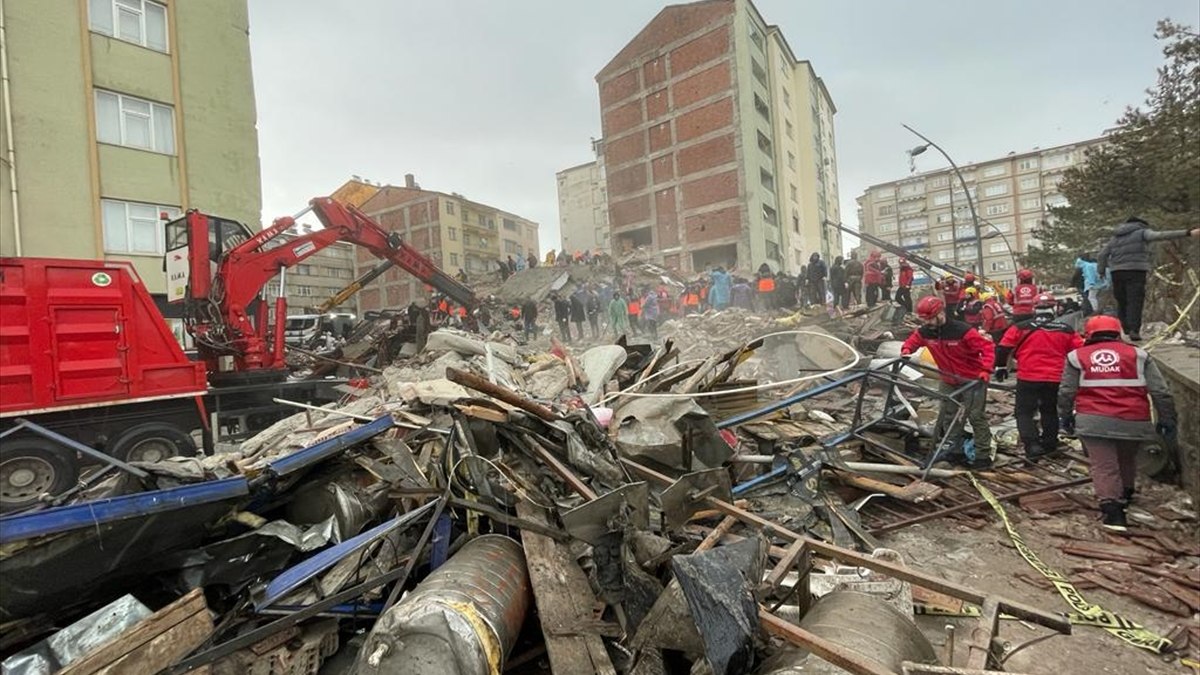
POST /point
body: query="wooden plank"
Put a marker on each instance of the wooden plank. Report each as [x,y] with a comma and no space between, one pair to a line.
[980,643]
[155,643]
[785,564]
[717,532]
[564,600]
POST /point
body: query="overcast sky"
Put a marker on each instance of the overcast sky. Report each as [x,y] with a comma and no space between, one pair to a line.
[491,98]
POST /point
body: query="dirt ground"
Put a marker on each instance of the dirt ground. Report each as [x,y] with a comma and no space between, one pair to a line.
[986,560]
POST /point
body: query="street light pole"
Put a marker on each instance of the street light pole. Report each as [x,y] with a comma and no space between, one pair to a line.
[963,181]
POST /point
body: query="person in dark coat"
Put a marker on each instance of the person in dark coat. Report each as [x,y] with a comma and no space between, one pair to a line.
[817,272]
[578,312]
[837,284]
[592,305]
[529,312]
[562,315]
[1127,257]
[854,279]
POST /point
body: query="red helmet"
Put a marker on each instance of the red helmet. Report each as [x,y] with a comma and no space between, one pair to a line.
[930,306]
[1045,300]
[969,277]
[1025,276]
[1101,323]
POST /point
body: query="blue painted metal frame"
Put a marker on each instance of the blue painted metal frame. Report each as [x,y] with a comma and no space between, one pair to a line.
[286,581]
[302,459]
[91,514]
[790,401]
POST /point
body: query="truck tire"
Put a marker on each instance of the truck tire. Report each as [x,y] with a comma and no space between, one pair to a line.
[152,442]
[32,467]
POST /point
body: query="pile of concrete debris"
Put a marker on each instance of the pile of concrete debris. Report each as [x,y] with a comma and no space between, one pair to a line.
[692,506]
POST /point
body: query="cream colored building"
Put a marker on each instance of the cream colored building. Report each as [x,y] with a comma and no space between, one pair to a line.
[583,208]
[928,213]
[318,278]
[718,143]
[123,110]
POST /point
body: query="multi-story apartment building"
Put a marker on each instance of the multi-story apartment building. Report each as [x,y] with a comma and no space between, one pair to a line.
[122,110]
[928,213]
[718,143]
[583,206]
[318,278]
[453,231]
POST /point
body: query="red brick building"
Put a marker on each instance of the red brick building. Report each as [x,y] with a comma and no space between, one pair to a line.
[701,137]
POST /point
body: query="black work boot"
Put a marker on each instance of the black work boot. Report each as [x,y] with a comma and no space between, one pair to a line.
[1035,451]
[1114,515]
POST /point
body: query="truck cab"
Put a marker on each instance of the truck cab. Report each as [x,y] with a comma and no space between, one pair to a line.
[302,329]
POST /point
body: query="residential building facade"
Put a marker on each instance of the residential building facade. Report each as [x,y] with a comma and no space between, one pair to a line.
[718,143]
[928,213]
[583,208]
[122,111]
[454,232]
[318,278]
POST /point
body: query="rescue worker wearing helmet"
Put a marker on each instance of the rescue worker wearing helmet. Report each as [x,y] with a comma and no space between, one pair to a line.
[1023,296]
[963,357]
[951,291]
[1039,346]
[1107,390]
[972,308]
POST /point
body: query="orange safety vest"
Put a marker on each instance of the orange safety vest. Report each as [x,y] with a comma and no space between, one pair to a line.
[635,307]
[462,311]
[766,284]
[515,312]
[444,307]
[691,299]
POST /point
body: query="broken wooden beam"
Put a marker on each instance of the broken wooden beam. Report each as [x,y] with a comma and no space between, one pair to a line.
[153,644]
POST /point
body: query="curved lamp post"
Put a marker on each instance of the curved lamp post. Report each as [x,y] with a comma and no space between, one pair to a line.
[963,181]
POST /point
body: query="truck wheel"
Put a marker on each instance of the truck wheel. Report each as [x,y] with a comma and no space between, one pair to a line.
[32,467]
[152,442]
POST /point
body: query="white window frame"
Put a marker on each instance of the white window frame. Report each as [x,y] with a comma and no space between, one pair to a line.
[995,190]
[96,12]
[887,227]
[171,211]
[997,209]
[997,247]
[1028,164]
[995,170]
[123,141]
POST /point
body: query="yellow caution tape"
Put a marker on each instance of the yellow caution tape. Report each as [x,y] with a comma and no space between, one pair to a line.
[972,611]
[488,640]
[1095,615]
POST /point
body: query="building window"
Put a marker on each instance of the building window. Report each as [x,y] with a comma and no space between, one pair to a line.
[1000,265]
[767,180]
[789,129]
[912,189]
[756,38]
[795,194]
[1003,226]
[510,224]
[1029,183]
[945,254]
[133,227]
[945,236]
[764,143]
[995,190]
[998,247]
[939,181]
[452,233]
[914,224]
[138,21]
[1028,164]
[887,227]
[770,215]
[996,209]
[1055,201]
[787,98]
[454,259]
[795,222]
[941,199]
[1031,203]
[887,209]
[995,170]
[759,73]
[450,208]
[134,122]
[773,251]
[944,218]
[791,161]
[1057,160]
[762,108]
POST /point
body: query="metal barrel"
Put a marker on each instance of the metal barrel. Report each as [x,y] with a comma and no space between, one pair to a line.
[859,623]
[463,619]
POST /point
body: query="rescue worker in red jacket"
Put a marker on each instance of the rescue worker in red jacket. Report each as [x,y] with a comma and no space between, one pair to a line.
[972,308]
[1107,389]
[969,281]
[963,356]
[904,284]
[994,318]
[873,277]
[1023,296]
[1040,348]
[951,291]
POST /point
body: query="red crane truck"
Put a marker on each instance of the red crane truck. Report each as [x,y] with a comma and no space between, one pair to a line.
[85,353]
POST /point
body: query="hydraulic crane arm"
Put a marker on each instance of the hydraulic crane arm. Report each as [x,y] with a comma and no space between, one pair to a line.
[219,311]
[355,286]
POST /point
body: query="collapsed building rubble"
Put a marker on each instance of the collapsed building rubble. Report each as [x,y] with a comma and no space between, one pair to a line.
[712,503]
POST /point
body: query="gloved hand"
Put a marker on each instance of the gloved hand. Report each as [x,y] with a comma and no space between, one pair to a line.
[1165,429]
[1066,424]
[1001,374]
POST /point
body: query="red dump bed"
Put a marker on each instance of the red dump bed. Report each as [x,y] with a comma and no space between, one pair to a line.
[82,333]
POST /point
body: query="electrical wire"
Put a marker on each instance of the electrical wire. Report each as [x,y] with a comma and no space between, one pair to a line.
[758,387]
